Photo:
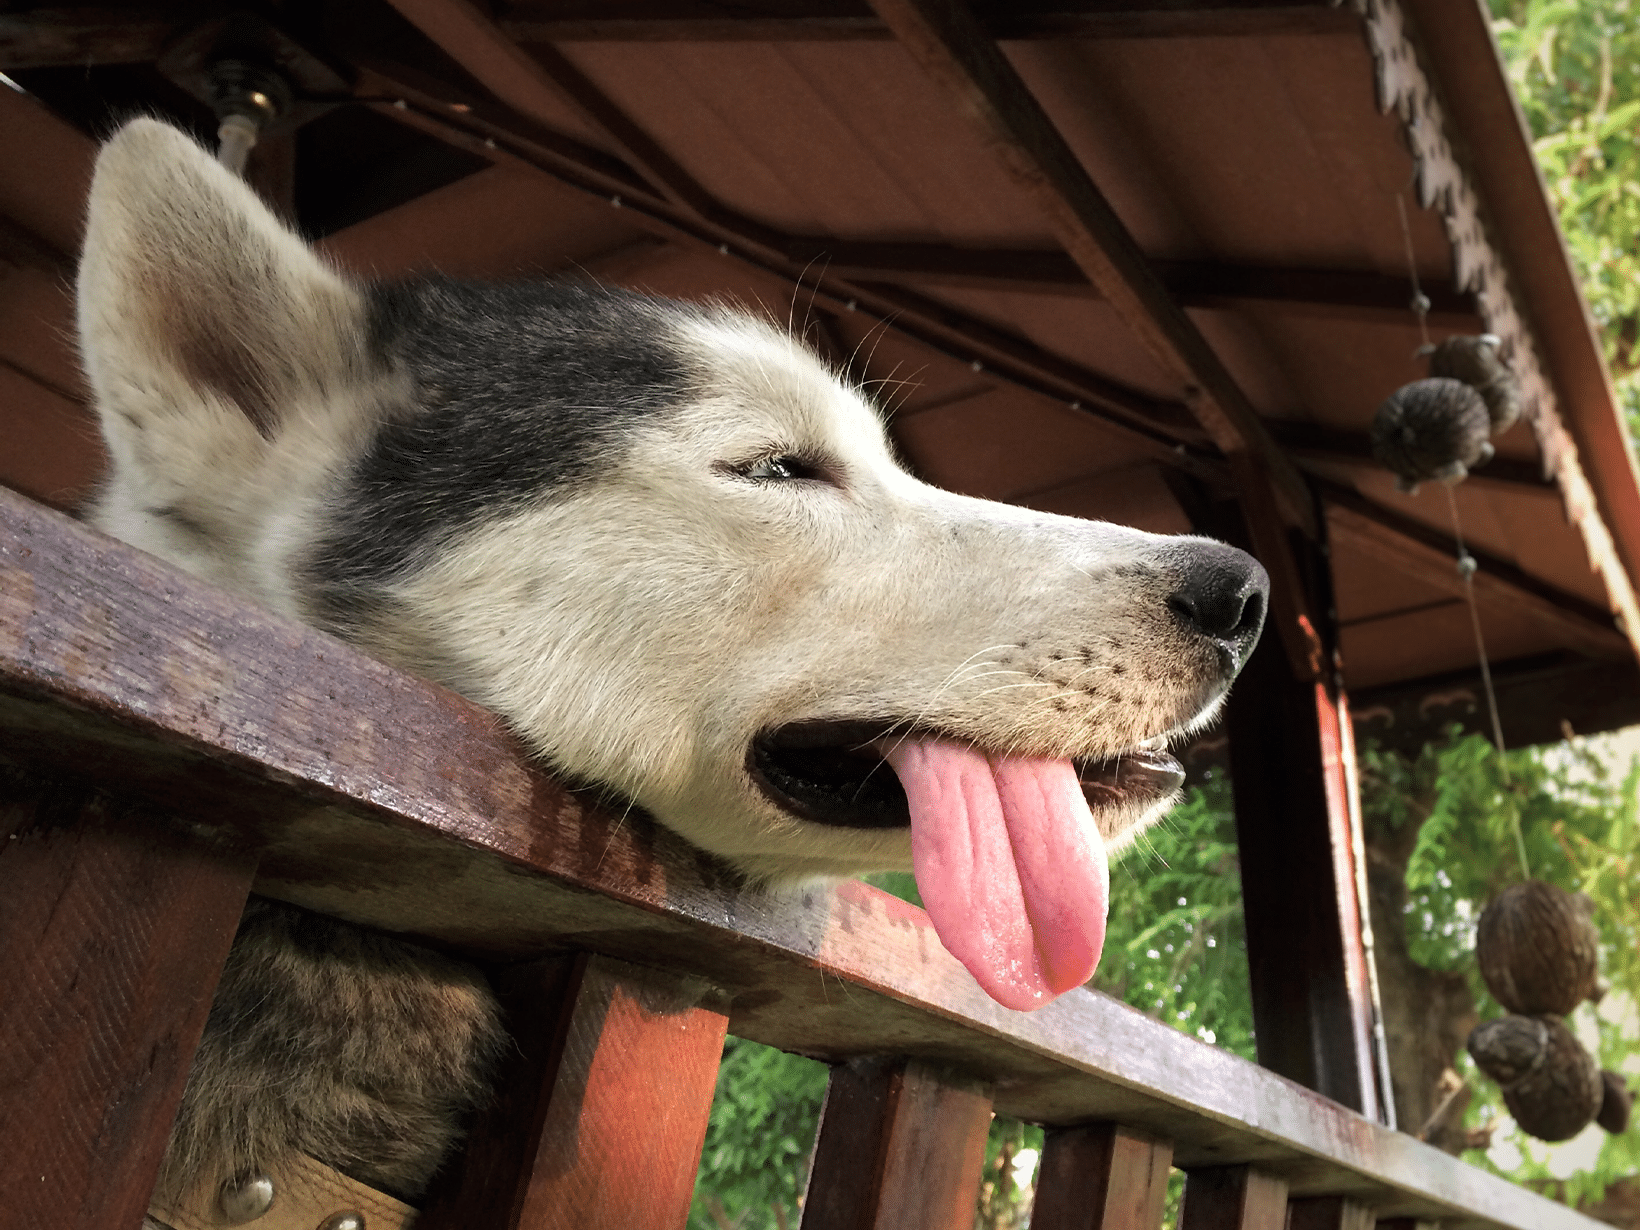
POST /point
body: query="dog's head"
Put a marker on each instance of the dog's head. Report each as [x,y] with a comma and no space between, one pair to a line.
[670,547]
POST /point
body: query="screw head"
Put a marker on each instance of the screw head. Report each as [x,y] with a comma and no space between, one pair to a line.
[343,1221]
[246,1198]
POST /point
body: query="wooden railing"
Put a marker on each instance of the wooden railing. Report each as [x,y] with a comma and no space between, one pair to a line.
[165,747]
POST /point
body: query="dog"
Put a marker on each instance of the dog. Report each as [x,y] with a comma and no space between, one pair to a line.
[674,551]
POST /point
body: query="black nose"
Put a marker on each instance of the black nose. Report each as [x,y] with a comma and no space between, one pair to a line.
[1222,595]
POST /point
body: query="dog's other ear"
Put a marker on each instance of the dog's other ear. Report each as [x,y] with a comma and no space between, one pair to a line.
[195,302]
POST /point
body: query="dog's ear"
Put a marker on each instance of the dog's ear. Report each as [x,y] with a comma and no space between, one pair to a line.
[195,301]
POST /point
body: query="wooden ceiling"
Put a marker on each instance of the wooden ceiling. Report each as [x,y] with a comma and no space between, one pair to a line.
[1141,261]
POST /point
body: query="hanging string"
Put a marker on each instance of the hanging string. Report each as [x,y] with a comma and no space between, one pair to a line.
[1420,301]
[1466,570]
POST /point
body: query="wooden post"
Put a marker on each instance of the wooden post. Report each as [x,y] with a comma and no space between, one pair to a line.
[114,927]
[1101,1177]
[1297,825]
[901,1147]
[1233,1198]
[1329,1213]
[602,1108]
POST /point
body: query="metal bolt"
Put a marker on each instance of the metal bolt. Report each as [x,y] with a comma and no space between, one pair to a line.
[343,1221]
[246,1199]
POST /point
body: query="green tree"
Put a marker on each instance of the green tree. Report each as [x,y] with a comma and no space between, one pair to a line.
[1575,65]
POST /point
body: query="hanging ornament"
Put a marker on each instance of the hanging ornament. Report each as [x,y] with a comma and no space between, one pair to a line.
[1550,1084]
[1614,1106]
[1476,362]
[1433,429]
[1538,948]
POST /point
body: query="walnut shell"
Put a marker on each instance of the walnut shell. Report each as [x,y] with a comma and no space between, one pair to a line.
[1538,947]
[1614,1106]
[1431,429]
[1476,362]
[1550,1084]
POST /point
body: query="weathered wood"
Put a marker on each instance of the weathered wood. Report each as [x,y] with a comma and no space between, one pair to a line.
[671,21]
[1101,1176]
[1233,1198]
[901,1147]
[1312,1005]
[136,674]
[113,929]
[1329,1213]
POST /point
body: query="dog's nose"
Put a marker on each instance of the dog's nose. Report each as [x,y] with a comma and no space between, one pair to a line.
[1223,596]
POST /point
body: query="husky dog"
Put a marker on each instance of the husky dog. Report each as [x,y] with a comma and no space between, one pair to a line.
[674,551]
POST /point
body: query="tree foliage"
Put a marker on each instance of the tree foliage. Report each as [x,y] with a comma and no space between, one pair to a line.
[1575,65]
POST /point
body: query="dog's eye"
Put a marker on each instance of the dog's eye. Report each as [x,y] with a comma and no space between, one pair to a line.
[782,468]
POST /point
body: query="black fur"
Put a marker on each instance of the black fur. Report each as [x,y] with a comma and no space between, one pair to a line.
[520,389]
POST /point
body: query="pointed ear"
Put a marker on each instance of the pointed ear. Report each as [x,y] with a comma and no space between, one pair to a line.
[195,301]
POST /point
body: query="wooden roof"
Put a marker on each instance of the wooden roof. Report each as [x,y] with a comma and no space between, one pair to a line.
[1140,261]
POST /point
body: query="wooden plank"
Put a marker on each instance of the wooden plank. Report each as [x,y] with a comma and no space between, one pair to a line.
[1330,446]
[603,1107]
[1312,995]
[1430,555]
[134,673]
[113,930]
[901,1147]
[1233,1198]
[1330,1213]
[1101,1176]
[675,21]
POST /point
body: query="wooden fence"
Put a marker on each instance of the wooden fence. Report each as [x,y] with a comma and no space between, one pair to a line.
[165,746]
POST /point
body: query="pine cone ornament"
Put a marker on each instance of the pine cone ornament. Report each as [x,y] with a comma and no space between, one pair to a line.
[1550,1083]
[1538,948]
[1476,362]
[1433,429]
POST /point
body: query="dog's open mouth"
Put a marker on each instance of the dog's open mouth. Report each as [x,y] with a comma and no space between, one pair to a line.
[1007,849]
[834,773]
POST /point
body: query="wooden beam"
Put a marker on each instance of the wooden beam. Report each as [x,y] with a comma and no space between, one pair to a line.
[674,21]
[1330,446]
[114,926]
[901,1147]
[1429,555]
[82,37]
[395,803]
[1344,294]
[1101,1176]
[1233,1198]
[602,1105]
[23,249]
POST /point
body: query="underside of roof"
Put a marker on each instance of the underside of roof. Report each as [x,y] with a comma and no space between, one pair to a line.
[1150,262]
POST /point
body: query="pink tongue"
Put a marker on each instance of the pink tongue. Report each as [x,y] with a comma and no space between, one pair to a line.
[1010,866]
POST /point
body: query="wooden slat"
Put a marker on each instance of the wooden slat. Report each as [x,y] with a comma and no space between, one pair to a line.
[383,799]
[1233,1198]
[954,50]
[1329,445]
[1430,555]
[603,1108]
[675,21]
[113,930]
[1329,1213]
[901,1147]
[1101,1176]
